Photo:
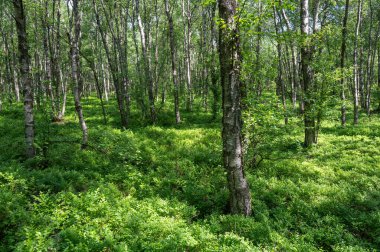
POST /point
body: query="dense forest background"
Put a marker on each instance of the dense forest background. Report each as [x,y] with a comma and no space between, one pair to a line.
[204,125]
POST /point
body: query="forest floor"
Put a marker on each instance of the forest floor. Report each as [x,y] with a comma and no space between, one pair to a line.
[163,188]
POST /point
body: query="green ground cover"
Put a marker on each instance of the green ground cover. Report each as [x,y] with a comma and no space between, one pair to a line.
[163,188]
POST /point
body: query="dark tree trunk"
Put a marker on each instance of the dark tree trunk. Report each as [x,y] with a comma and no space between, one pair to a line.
[230,64]
[342,58]
[306,57]
[24,61]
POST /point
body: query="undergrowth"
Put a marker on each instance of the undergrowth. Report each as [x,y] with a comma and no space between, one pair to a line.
[163,188]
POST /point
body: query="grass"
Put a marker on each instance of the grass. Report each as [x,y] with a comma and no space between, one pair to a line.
[162,187]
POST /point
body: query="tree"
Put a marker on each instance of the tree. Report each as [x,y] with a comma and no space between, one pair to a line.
[24,63]
[174,62]
[74,39]
[144,36]
[356,64]
[113,68]
[307,74]
[232,90]
[342,58]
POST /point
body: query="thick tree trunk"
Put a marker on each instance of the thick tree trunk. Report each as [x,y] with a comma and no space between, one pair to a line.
[306,56]
[24,61]
[75,70]
[230,64]
[173,59]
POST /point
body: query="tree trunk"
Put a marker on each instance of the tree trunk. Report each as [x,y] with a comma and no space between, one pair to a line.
[378,71]
[280,80]
[230,65]
[15,75]
[74,40]
[186,13]
[213,65]
[24,61]
[356,67]
[369,64]
[113,70]
[306,56]
[173,59]
[147,72]
[342,58]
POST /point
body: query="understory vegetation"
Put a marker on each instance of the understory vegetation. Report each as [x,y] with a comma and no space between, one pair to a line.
[163,188]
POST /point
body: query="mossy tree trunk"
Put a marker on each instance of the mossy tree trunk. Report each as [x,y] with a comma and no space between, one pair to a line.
[230,65]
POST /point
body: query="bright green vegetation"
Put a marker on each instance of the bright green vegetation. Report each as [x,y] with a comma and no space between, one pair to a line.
[162,188]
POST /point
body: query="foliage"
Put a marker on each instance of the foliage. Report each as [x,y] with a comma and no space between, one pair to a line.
[161,188]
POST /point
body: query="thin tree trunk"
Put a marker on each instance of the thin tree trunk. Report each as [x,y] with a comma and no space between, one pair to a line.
[174,60]
[141,88]
[64,92]
[113,70]
[233,89]
[280,80]
[295,82]
[92,66]
[1,91]
[8,65]
[378,70]
[342,58]
[213,65]
[369,64]
[15,74]
[259,87]
[186,13]
[74,39]
[147,72]
[24,61]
